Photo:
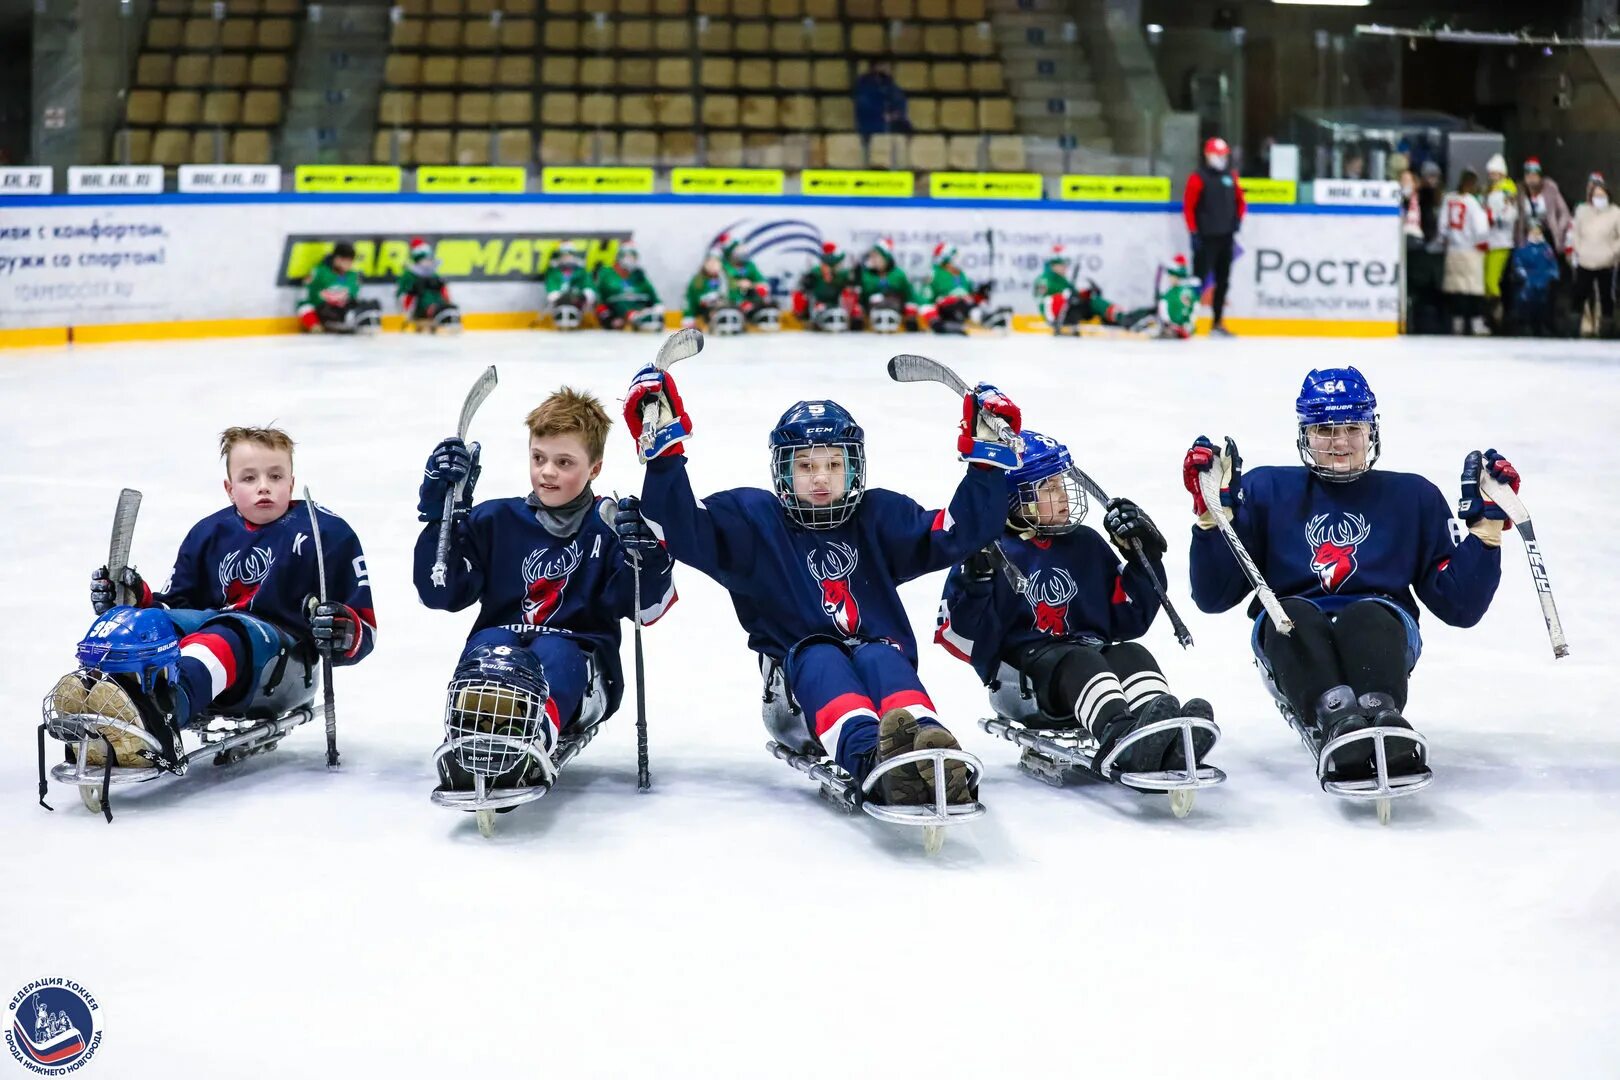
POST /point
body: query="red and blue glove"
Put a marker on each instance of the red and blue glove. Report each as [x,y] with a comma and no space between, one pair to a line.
[1203,457]
[654,389]
[981,441]
[1483,517]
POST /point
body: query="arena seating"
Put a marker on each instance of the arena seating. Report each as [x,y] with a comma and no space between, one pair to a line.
[207,89]
[672,82]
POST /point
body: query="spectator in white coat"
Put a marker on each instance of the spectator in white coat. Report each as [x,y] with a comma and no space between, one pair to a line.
[1467,231]
[1596,247]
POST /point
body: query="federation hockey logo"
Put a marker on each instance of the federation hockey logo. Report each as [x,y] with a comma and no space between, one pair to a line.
[547,573]
[1333,550]
[53,1027]
[1049,595]
[240,577]
[832,570]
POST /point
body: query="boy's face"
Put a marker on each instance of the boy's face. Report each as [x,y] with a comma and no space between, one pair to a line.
[559,468]
[1052,501]
[818,475]
[1341,448]
[259,482]
[342,264]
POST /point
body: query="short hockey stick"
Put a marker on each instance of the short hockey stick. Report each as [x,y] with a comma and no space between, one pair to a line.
[1209,486]
[475,397]
[330,704]
[1183,635]
[1508,499]
[680,345]
[123,540]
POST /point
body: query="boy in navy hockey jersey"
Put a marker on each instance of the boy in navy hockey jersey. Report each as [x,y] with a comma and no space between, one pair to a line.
[242,601]
[1069,633]
[550,572]
[813,568]
[1345,548]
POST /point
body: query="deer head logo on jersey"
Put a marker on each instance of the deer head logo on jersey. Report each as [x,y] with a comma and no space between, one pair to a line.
[832,569]
[547,573]
[1049,595]
[1333,550]
[240,577]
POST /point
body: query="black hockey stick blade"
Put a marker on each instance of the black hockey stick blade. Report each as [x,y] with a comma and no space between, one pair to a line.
[680,345]
[329,705]
[909,367]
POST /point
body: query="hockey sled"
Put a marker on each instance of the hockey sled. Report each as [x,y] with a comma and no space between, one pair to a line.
[831,320]
[767,320]
[726,322]
[883,319]
[566,317]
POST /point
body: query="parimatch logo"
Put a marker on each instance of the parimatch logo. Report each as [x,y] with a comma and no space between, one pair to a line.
[462,256]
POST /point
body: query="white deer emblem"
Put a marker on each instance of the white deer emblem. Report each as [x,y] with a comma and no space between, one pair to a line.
[240,577]
[1049,595]
[1333,551]
[832,569]
[547,573]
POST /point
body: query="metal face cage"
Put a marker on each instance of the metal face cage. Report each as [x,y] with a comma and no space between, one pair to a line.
[806,513]
[1059,498]
[492,725]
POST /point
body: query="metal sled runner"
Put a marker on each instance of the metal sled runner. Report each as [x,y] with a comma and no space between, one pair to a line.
[484,801]
[840,789]
[1382,787]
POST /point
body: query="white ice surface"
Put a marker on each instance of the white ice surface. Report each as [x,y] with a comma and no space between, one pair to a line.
[276,919]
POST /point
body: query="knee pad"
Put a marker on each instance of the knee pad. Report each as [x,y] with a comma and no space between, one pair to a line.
[281,672]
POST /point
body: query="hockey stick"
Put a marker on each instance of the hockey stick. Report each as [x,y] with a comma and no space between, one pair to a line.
[1209,486]
[1183,635]
[680,345]
[329,705]
[123,539]
[643,769]
[1514,507]
[475,397]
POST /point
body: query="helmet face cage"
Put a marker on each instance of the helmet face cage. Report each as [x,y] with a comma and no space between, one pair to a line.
[805,513]
[1058,497]
[1338,470]
[491,723]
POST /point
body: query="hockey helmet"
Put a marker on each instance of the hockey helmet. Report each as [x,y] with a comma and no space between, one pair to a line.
[1033,494]
[495,706]
[1057,258]
[944,254]
[732,249]
[629,257]
[884,248]
[831,255]
[1216,152]
[568,254]
[1331,397]
[1178,268]
[420,249]
[810,424]
[132,641]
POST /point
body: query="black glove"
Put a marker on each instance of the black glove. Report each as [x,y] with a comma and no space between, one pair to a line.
[1126,522]
[980,567]
[104,590]
[632,528]
[450,463]
[334,626]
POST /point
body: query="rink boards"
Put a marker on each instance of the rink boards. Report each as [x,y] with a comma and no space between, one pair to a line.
[112,268]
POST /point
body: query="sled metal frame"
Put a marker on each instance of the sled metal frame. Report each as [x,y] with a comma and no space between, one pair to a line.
[1383,787]
[484,798]
[1050,754]
[229,738]
[839,788]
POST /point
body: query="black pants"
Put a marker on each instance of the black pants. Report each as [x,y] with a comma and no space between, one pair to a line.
[1425,273]
[1104,681]
[1213,255]
[1601,282]
[1362,647]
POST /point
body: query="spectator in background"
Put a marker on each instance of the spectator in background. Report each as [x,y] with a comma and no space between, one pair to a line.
[1425,251]
[1541,201]
[1502,208]
[1596,255]
[880,104]
[1213,207]
[1467,229]
[1534,273]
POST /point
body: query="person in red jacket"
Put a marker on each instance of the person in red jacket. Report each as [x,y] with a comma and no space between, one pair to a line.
[1213,206]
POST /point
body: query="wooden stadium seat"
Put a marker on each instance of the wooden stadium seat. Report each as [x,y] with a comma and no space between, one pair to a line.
[407,34]
[996,114]
[598,72]
[261,108]
[402,69]
[222,108]
[182,107]
[162,35]
[885,151]
[274,34]
[513,108]
[559,148]
[171,7]
[821,9]
[1007,153]
[199,34]
[268,70]
[250,146]
[748,9]
[948,77]
[594,38]
[237,34]
[635,35]
[923,114]
[282,7]
[517,34]
[636,110]
[208,146]
[559,110]
[986,76]
[717,73]
[230,69]
[719,110]
[907,38]
[635,7]
[446,7]
[638,148]
[672,36]
[432,147]
[143,108]
[561,35]
[715,38]
[559,70]
[977,40]
[513,146]
[673,72]
[480,8]
[677,148]
[723,149]
[171,146]
[532,7]
[831,74]
[514,71]
[789,38]
[763,151]
[712,7]
[675,110]
[436,108]
[862,9]
[440,71]
[912,76]
[793,74]
[473,147]
[827,38]
[958,114]
[896,9]
[797,112]
[476,109]
[784,9]
[478,69]
[598,110]
[752,37]
[478,35]
[844,152]
[599,147]
[759,111]
[926,153]
[674,8]
[755,74]
[132,146]
[636,71]
[192,69]
[444,34]
[396,108]
[868,39]
[963,152]
[934,10]
[968,10]
[154,69]
[836,114]
[597,7]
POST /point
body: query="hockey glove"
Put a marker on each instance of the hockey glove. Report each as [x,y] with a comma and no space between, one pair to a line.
[106,594]
[451,462]
[634,532]
[1484,518]
[1203,457]
[655,403]
[1126,522]
[335,628]
[979,573]
[989,429]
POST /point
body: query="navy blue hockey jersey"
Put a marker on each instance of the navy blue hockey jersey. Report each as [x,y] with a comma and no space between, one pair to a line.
[1384,534]
[788,583]
[227,563]
[525,579]
[1077,589]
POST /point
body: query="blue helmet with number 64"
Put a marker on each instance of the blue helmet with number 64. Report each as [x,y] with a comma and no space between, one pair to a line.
[1338,424]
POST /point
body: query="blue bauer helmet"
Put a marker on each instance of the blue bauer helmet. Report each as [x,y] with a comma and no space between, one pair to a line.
[1340,405]
[811,424]
[133,641]
[1033,495]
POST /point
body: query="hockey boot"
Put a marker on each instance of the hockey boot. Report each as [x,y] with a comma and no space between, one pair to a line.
[1338,714]
[958,791]
[1356,760]
[901,786]
[1175,758]
[93,694]
[1146,754]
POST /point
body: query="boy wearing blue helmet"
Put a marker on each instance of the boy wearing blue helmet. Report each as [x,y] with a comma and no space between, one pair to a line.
[814,565]
[1068,634]
[1346,548]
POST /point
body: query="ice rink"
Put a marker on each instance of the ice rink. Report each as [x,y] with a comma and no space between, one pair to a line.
[275,919]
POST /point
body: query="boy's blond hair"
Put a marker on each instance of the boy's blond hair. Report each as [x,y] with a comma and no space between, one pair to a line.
[572,412]
[271,438]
